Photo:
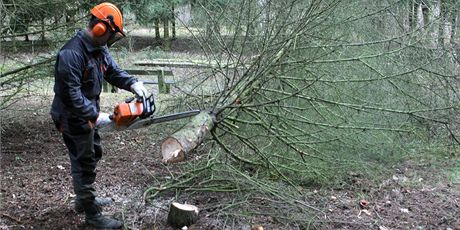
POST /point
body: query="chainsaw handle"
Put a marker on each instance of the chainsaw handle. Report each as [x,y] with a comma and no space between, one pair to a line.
[129,99]
[148,104]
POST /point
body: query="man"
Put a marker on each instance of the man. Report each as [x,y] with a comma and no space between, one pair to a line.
[81,66]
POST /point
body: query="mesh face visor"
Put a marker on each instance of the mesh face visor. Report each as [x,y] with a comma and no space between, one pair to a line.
[117,34]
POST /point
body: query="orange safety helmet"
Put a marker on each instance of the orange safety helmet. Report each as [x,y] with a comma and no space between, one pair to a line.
[111,15]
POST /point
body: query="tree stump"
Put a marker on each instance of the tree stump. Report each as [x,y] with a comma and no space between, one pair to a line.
[174,147]
[181,215]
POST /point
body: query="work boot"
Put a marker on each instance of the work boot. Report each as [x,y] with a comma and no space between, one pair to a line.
[99,201]
[100,221]
[95,218]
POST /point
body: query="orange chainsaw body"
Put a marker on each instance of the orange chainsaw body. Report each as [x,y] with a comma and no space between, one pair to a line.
[125,113]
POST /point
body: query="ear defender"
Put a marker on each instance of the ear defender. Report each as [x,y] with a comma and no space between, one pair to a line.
[110,18]
[99,29]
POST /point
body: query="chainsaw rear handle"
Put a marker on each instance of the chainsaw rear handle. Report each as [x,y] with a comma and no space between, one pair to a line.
[129,99]
[148,104]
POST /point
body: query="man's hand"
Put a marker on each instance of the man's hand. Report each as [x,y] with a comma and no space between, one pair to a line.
[139,89]
[102,120]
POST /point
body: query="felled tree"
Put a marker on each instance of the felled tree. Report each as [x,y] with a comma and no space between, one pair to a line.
[288,75]
[306,91]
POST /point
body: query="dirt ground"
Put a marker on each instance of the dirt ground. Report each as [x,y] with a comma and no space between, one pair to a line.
[36,187]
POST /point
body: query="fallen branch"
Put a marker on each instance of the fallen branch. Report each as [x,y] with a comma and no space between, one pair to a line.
[46,61]
[11,217]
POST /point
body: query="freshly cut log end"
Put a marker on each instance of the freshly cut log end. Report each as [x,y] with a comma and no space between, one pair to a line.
[172,151]
[181,215]
[176,146]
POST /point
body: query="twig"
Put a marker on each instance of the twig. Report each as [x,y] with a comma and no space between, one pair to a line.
[11,217]
[452,134]
[48,60]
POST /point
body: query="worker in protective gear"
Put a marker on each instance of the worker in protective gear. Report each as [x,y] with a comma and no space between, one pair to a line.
[82,64]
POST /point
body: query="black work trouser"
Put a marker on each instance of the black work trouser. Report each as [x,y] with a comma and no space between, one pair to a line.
[84,152]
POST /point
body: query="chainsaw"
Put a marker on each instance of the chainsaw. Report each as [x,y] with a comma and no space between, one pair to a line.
[137,113]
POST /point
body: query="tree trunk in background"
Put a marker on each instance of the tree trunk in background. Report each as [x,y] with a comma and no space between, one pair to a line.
[173,22]
[434,20]
[184,13]
[405,13]
[420,21]
[412,15]
[448,34]
[42,36]
[455,26]
[391,25]
[56,20]
[157,28]
[264,14]
[446,30]
[166,37]
[69,18]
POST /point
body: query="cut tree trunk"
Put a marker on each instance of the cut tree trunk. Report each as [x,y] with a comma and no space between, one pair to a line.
[181,215]
[174,147]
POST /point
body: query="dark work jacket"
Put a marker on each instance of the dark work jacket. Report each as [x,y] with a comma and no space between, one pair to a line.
[80,70]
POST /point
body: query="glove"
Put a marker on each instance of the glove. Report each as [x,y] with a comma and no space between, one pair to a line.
[139,89]
[102,120]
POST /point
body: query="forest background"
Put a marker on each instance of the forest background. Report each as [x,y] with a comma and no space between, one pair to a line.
[321,105]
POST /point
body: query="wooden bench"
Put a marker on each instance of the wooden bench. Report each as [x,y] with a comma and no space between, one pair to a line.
[164,85]
[159,70]
[174,64]
[178,63]
[160,65]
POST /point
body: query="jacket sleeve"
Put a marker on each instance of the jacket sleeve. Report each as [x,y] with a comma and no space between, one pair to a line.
[116,76]
[69,74]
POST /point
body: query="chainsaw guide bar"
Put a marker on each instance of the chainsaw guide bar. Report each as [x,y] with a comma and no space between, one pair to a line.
[141,123]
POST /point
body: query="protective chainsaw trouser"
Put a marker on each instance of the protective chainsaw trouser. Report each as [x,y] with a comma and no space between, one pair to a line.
[84,152]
